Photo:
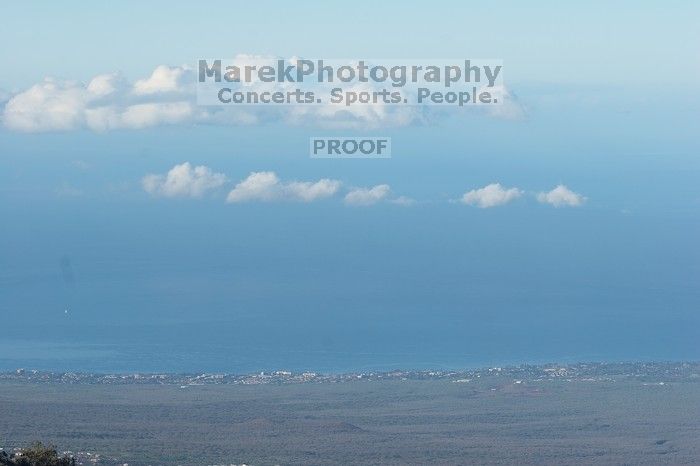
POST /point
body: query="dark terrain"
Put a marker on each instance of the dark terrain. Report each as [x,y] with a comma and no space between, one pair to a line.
[487,420]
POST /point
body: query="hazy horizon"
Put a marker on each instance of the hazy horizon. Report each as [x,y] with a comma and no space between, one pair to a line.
[118,254]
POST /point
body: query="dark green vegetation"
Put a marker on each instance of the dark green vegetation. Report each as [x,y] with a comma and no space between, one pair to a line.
[484,421]
[37,454]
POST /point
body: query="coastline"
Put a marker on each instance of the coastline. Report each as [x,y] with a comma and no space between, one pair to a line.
[661,372]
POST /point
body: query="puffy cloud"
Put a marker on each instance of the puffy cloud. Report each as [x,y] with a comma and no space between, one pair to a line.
[259,186]
[491,196]
[310,191]
[561,196]
[145,115]
[377,115]
[165,79]
[49,105]
[266,187]
[106,84]
[183,181]
[367,196]
[168,96]
[107,102]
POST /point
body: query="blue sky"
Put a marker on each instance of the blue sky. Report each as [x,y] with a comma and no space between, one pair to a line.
[604,101]
[620,43]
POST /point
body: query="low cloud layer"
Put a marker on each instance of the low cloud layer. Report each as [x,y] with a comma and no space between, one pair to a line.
[168,97]
[187,181]
[183,180]
[266,187]
[561,196]
[367,196]
[491,195]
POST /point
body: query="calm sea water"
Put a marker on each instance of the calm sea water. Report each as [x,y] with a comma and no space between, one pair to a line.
[197,348]
[200,287]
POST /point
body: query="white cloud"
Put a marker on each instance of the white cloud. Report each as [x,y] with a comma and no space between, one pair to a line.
[259,186]
[266,186]
[168,97]
[107,102]
[491,196]
[310,191]
[367,196]
[152,114]
[561,196]
[165,79]
[49,105]
[106,84]
[356,116]
[183,181]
